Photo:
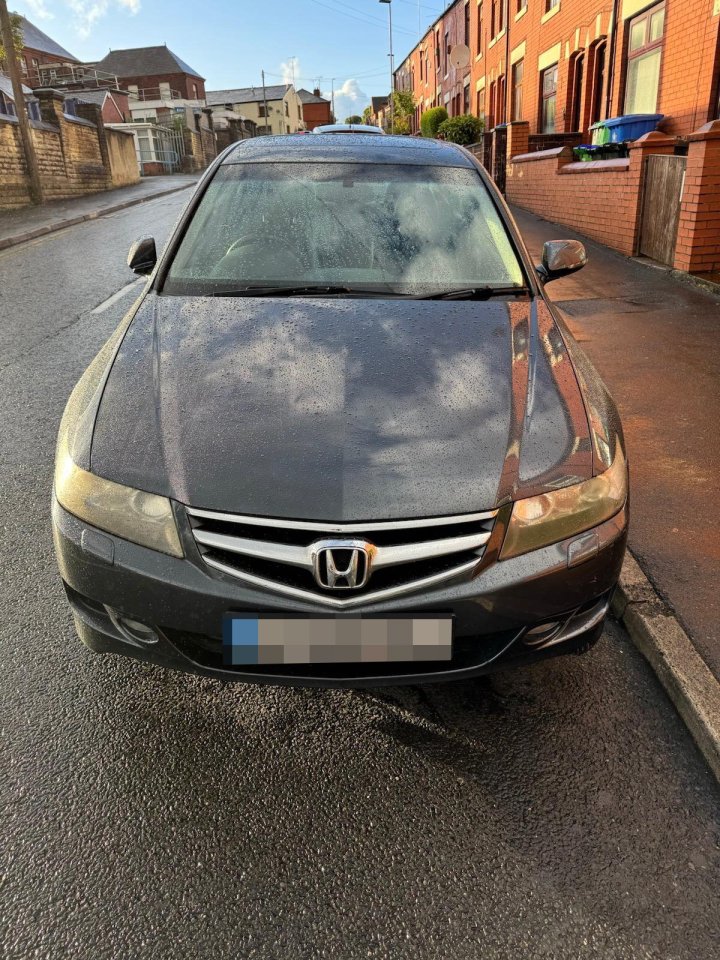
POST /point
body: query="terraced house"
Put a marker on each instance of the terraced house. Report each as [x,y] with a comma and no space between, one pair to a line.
[542,73]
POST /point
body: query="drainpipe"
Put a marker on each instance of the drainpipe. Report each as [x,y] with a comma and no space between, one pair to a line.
[611,60]
[508,95]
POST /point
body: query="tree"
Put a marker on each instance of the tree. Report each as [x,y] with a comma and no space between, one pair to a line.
[354,119]
[17,37]
[464,129]
[431,120]
[403,102]
[367,115]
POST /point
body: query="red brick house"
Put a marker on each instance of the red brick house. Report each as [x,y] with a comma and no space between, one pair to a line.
[39,49]
[113,103]
[153,73]
[316,110]
[542,72]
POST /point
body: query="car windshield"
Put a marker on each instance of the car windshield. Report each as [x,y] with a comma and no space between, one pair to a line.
[398,229]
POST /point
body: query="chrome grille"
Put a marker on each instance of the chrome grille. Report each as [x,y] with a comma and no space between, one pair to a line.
[281,555]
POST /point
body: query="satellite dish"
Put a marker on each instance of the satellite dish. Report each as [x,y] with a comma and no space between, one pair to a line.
[460,56]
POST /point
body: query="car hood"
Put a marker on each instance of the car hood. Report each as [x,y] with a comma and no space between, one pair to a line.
[341,409]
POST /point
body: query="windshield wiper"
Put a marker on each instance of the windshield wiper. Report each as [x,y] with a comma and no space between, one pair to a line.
[309,290]
[470,293]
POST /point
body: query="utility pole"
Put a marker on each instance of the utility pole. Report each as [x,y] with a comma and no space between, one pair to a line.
[392,71]
[332,98]
[267,118]
[35,187]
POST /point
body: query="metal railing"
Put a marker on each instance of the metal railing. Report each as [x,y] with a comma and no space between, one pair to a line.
[55,75]
[155,93]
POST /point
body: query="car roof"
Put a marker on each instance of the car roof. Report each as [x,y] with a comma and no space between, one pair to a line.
[350,148]
[349,128]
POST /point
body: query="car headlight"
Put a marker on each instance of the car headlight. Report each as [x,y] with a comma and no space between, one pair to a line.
[143,518]
[550,517]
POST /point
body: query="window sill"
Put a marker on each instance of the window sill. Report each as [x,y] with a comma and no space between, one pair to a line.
[478,57]
[520,14]
[495,39]
[550,14]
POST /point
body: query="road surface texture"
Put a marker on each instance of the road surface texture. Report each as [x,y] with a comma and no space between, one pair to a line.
[560,811]
[655,341]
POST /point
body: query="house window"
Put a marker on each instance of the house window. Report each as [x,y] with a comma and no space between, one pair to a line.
[480,104]
[447,53]
[421,69]
[521,5]
[502,12]
[576,118]
[164,89]
[33,109]
[549,79]
[467,24]
[261,110]
[598,83]
[479,27]
[194,90]
[517,84]
[7,107]
[500,100]
[466,98]
[493,18]
[287,109]
[437,50]
[642,78]
[551,4]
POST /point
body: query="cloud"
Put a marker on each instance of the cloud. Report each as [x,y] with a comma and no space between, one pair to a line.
[39,9]
[289,69]
[86,12]
[349,100]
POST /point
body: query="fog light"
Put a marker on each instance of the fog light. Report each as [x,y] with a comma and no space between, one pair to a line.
[135,632]
[542,633]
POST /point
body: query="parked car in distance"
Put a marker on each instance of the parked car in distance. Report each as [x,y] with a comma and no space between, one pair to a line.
[348,128]
[343,438]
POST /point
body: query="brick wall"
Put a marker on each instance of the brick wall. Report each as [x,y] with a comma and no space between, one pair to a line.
[599,199]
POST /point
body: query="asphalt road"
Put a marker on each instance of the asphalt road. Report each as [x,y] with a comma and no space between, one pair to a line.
[561,811]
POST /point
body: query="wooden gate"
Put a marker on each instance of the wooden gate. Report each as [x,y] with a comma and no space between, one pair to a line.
[662,192]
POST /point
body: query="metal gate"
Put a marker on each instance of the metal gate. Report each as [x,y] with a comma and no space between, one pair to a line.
[662,192]
[499,157]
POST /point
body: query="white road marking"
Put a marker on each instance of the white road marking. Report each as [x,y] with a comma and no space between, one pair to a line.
[123,291]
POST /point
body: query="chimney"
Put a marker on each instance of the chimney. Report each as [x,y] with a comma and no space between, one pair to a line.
[316,92]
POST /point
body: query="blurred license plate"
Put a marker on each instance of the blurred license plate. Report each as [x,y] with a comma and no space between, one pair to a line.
[269,640]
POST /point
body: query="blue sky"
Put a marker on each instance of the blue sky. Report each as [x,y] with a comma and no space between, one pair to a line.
[230,41]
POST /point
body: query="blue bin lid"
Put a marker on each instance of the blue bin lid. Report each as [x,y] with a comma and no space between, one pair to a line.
[633,118]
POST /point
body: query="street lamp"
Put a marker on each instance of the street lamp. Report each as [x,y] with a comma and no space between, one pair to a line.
[392,71]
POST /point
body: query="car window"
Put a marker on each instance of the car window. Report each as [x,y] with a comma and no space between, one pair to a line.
[401,228]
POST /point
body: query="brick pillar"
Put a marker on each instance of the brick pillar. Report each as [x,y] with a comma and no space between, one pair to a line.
[648,143]
[518,134]
[93,114]
[698,243]
[51,105]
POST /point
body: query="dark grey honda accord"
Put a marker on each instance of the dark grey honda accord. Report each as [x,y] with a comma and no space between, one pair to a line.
[342,438]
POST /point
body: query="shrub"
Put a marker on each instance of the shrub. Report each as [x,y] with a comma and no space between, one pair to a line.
[431,120]
[465,129]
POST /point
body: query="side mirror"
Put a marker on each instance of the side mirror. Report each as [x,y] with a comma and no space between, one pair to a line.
[561,257]
[142,256]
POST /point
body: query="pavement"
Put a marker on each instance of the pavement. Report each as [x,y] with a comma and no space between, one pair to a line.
[561,811]
[27,223]
[655,339]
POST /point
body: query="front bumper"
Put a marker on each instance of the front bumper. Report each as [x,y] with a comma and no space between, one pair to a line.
[185,602]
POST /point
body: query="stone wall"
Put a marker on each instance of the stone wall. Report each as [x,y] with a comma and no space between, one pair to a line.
[124,167]
[73,153]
